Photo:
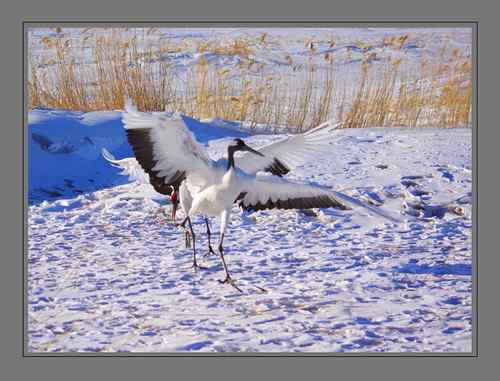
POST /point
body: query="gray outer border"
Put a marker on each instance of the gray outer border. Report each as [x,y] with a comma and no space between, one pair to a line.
[15,367]
[472,25]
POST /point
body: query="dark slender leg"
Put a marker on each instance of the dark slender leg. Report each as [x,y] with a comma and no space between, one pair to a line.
[195,264]
[183,223]
[186,233]
[210,249]
[187,239]
[228,278]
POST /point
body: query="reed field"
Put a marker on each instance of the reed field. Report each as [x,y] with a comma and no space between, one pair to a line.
[233,78]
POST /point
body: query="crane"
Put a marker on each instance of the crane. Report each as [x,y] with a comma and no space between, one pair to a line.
[169,153]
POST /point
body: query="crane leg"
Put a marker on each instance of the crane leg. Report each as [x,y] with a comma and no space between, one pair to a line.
[187,237]
[228,278]
[183,223]
[210,249]
[196,266]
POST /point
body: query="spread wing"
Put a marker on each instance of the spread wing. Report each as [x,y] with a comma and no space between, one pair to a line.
[280,157]
[165,148]
[271,192]
[129,166]
[268,192]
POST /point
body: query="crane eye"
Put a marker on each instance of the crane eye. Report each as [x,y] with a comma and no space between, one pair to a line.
[238,143]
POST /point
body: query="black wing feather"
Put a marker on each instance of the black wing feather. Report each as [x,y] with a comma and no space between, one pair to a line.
[323,201]
[277,168]
[140,141]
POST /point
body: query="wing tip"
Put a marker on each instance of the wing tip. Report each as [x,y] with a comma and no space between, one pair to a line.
[132,119]
[355,204]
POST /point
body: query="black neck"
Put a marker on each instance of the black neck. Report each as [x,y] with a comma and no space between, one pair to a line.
[230,157]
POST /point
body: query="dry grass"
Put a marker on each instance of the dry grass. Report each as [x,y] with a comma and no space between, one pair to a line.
[296,96]
[440,96]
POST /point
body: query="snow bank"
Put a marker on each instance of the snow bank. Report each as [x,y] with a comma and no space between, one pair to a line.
[64,150]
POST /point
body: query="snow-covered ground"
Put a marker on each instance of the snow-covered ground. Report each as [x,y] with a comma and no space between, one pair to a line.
[108,272]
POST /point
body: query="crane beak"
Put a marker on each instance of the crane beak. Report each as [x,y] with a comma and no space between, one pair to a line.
[247,148]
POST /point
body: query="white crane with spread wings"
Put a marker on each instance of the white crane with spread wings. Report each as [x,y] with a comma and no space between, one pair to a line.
[173,160]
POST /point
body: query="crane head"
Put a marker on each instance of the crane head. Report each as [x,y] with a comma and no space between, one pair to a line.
[239,145]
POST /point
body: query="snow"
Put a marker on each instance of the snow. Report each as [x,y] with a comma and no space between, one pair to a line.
[64,150]
[108,272]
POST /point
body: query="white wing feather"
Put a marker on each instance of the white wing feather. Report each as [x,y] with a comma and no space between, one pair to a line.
[174,147]
[292,151]
[360,205]
[129,166]
[263,189]
[185,198]
[133,170]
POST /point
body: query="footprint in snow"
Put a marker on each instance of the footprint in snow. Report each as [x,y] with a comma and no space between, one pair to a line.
[446,174]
